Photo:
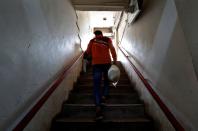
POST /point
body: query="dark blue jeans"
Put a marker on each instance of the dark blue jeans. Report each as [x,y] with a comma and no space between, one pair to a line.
[100,71]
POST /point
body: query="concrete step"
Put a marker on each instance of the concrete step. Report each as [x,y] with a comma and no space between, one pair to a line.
[119,88]
[82,80]
[88,124]
[90,84]
[88,98]
[84,89]
[112,90]
[105,120]
[111,111]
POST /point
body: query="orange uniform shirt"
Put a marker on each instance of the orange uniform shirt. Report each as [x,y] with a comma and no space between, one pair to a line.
[99,49]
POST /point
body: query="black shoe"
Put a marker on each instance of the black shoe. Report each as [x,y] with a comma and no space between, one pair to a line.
[103,100]
[99,115]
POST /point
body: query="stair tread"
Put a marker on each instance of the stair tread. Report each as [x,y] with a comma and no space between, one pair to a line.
[110,110]
[121,98]
[107,105]
[111,95]
[91,78]
[90,84]
[84,89]
[119,86]
[106,120]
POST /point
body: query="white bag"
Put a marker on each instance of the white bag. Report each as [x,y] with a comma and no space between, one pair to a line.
[114,74]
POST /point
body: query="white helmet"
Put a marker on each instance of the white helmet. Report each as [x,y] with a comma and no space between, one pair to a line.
[114,74]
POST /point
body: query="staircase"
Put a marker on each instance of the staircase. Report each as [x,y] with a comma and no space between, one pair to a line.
[124,111]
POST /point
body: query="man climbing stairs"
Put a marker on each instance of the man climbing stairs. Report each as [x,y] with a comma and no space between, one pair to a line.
[123,110]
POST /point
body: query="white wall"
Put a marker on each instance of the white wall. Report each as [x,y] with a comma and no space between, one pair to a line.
[42,120]
[189,21]
[38,38]
[86,31]
[158,43]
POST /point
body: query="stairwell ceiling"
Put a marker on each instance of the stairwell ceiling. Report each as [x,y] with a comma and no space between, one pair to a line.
[88,21]
[100,5]
[100,13]
[102,18]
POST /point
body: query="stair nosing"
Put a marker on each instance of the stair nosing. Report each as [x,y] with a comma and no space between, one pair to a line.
[107,105]
[115,120]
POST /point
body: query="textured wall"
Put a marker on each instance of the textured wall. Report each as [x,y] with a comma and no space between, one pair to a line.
[160,49]
[160,121]
[189,21]
[86,32]
[42,120]
[38,38]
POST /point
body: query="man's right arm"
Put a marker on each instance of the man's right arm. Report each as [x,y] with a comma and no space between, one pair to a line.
[113,52]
